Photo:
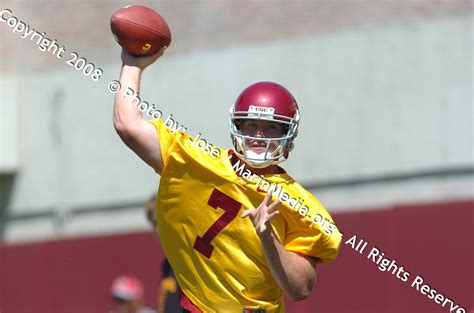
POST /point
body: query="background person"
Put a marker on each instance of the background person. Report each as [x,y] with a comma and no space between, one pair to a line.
[127,294]
[168,294]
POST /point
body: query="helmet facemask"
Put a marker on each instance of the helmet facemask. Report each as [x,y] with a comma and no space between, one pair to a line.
[276,148]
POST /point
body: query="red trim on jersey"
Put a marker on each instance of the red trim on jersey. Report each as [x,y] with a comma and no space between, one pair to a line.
[260,190]
[187,304]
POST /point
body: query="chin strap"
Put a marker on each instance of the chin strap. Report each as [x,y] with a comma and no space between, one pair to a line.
[257,159]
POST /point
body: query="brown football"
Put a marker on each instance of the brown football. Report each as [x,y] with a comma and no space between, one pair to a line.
[140,30]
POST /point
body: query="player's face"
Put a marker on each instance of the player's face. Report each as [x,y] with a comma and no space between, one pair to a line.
[261,129]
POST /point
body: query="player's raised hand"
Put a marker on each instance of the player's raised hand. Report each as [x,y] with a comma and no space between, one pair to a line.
[263,214]
[141,62]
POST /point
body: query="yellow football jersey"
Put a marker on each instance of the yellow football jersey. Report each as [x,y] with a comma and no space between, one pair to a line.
[216,255]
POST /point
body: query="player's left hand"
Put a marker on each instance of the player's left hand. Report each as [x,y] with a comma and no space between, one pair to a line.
[263,214]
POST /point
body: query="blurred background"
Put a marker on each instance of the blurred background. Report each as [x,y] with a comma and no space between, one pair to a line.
[385,90]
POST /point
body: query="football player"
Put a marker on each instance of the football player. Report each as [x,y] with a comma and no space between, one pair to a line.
[232,247]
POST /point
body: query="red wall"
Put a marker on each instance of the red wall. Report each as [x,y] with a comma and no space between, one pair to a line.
[431,240]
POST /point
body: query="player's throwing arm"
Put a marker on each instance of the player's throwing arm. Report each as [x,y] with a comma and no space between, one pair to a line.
[135,132]
[144,36]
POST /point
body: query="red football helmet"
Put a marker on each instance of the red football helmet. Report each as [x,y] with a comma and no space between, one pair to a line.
[265,101]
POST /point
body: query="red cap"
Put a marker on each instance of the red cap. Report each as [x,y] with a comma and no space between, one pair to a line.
[127,287]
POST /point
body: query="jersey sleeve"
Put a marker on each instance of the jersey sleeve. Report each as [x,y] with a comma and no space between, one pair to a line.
[166,139]
[306,237]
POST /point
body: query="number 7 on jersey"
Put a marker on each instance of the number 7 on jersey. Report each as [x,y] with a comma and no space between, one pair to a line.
[231,208]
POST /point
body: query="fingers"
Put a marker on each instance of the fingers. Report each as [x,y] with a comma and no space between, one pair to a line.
[268,198]
[162,50]
[155,56]
[247,213]
[141,62]
[272,216]
[272,207]
[126,57]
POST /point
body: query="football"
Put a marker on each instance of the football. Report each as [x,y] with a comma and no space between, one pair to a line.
[140,30]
